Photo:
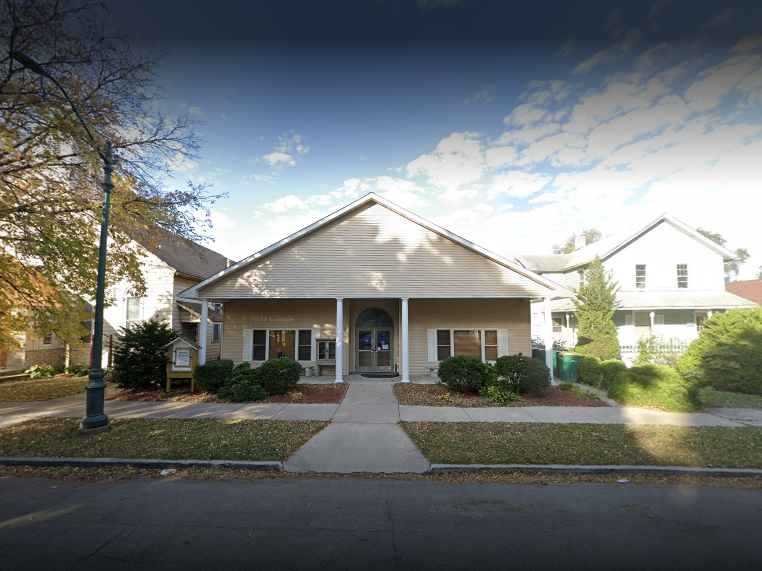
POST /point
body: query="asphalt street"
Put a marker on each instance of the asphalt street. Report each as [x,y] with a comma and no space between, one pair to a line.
[353,523]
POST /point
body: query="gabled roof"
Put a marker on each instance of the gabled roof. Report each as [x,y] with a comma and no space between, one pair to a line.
[554,289]
[747,289]
[610,245]
[185,257]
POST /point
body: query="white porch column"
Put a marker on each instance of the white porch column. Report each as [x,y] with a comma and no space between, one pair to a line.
[202,332]
[405,344]
[339,340]
[709,314]
[652,317]
[548,337]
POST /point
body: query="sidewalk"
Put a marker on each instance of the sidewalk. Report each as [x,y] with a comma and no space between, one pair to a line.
[364,434]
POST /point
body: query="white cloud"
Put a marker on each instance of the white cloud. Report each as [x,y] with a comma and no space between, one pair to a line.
[286,203]
[716,82]
[291,142]
[196,111]
[500,156]
[615,53]
[220,220]
[517,184]
[278,158]
[484,95]
[458,160]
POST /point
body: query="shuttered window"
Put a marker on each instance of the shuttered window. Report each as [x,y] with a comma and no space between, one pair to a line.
[484,344]
[263,344]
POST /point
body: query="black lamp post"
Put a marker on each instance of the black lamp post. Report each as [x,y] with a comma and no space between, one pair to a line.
[95,419]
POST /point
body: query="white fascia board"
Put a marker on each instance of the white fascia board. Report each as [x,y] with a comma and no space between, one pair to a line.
[192,292]
[724,252]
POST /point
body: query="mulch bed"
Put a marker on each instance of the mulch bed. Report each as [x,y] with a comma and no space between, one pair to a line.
[438,395]
[310,394]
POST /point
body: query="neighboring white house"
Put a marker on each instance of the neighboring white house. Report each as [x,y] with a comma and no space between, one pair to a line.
[171,266]
[168,268]
[671,279]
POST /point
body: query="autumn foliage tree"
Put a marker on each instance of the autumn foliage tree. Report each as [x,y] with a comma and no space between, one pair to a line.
[596,303]
[50,170]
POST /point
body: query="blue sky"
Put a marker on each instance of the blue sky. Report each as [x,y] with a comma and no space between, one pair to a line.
[512,127]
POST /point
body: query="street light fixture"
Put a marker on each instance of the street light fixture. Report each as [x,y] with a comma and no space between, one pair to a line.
[95,419]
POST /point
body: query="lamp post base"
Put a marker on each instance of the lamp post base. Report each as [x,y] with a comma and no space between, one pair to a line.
[95,417]
[93,431]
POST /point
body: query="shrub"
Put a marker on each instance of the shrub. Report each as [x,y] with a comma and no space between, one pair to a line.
[78,370]
[499,395]
[40,372]
[727,355]
[524,375]
[655,386]
[244,372]
[600,374]
[242,391]
[212,375]
[278,376]
[140,355]
[466,374]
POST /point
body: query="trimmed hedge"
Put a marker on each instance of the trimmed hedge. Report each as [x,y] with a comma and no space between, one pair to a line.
[212,375]
[278,376]
[524,375]
[727,356]
[600,374]
[466,374]
[655,386]
[652,386]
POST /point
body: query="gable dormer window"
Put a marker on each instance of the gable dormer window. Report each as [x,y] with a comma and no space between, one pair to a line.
[640,276]
[682,276]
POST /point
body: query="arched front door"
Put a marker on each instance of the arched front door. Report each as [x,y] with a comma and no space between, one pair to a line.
[374,334]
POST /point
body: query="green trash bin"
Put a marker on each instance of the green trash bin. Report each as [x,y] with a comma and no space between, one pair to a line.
[568,369]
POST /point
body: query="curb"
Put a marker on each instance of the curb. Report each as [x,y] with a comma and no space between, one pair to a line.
[581,469]
[152,463]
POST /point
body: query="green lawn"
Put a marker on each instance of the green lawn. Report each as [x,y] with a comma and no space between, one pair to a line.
[42,389]
[724,399]
[166,438]
[587,444]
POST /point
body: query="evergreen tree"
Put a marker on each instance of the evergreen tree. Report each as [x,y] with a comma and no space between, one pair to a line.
[596,304]
[140,357]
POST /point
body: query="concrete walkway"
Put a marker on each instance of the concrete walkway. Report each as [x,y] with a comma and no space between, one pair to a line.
[363,437]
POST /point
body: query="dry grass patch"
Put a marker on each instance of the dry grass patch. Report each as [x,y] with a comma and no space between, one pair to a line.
[587,444]
[166,438]
[42,389]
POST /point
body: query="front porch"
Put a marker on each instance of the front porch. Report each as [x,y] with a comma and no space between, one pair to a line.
[400,337]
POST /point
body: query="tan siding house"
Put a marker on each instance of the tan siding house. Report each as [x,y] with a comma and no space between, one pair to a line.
[373,289]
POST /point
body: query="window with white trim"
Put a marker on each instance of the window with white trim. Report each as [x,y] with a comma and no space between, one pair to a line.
[216,332]
[640,276]
[682,276]
[480,343]
[133,311]
[292,343]
[47,339]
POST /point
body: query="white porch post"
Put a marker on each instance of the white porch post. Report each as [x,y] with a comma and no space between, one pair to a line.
[548,337]
[709,314]
[339,340]
[202,332]
[652,317]
[404,344]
